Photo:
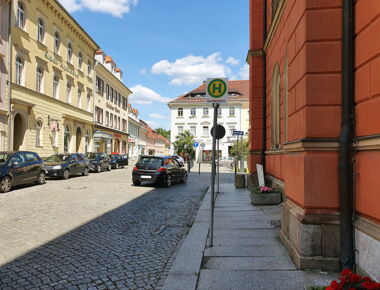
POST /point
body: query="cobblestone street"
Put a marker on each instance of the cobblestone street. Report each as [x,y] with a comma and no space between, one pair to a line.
[98,231]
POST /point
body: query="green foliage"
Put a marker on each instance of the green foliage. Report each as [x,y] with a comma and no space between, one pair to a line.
[163,132]
[240,148]
[184,144]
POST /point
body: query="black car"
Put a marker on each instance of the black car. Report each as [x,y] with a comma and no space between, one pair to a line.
[118,160]
[99,161]
[20,167]
[158,169]
[66,165]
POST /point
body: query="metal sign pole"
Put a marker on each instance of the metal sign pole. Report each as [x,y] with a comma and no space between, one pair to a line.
[237,154]
[216,106]
[217,176]
[242,155]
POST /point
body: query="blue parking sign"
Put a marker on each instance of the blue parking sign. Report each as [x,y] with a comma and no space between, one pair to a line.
[195,144]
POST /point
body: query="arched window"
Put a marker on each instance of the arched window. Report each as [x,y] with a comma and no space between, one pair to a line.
[89,67]
[275,108]
[19,70]
[55,87]
[39,77]
[20,21]
[39,133]
[57,42]
[68,92]
[69,52]
[80,61]
[41,30]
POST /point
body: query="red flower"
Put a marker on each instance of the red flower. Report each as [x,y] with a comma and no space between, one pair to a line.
[371,285]
[355,278]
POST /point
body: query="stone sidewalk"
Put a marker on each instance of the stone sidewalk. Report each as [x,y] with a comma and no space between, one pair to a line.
[247,252]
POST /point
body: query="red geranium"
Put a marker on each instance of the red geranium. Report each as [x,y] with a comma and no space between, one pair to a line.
[351,281]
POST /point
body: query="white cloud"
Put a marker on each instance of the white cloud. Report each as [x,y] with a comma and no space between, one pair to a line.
[158,116]
[192,70]
[143,71]
[115,7]
[232,60]
[244,72]
[145,96]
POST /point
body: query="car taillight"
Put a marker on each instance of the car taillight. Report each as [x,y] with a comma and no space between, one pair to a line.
[161,169]
[135,168]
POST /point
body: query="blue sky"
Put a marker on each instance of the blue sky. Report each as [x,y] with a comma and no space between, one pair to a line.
[167,47]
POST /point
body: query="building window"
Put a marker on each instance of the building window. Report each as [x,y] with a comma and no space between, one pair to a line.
[68,92]
[69,52]
[111,120]
[99,86]
[232,111]
[118,99]
[98,115]
[55,87]
[115,97]
[275,108]
[39,77]
[89,68]
[107,118]
[107,92]
[193,130]
[39,133]
[232,129]
[205,131]
[88,102]
[41,30]
[115,122]
[118,123]
[20,15]
[193,112]
[205,111]
[80,60]
[180,112]
[57,42]
[180,129]
[19,70]
[79,98]
[111,95]
[124,125]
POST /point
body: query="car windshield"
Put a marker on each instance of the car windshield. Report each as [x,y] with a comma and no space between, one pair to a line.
[92,155]
[58,158]
[150,160]
[3,158]
[114,156]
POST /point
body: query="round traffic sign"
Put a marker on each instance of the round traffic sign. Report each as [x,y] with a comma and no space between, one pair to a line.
[217,88]
[203,145]
[195,144]
[220,132]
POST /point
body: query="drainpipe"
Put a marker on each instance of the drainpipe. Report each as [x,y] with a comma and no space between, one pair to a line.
[347,254]
[10,133]
[264,104]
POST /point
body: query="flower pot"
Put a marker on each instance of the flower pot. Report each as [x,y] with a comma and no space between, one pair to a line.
[272,198]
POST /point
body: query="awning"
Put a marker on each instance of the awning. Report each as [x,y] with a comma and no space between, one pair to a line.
[102,135]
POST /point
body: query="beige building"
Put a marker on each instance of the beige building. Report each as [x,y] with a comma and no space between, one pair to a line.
[52,80]
[111,107]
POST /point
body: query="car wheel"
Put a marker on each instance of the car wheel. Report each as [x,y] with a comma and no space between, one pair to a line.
[168,181]
[85,172]
[109,167]
[98,168]
[185,177]
[66,174]
[41,178]
[117,165]
[6,184]
[136,183]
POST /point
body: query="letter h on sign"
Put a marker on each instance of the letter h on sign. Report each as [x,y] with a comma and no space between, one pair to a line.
[216,88]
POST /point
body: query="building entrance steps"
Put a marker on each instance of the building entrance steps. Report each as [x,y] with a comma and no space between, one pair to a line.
[247,252]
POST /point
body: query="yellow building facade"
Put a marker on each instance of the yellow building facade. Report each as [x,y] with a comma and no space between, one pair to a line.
[52,88]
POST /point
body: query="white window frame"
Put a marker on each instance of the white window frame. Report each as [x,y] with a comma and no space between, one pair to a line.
[69,88]
[39,79]
[80,60]
[89,102]
[19,70]
[193,112]
[20,20]
[41,28]
[193,130]
[56,86]
[69,52]
[232,111]
[180,112]
[205,131]
[79,97]
[180,129]
[39,126]
[57,41]
[205,111]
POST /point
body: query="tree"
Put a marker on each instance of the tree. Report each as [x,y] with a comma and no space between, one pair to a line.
[240,150]
[163,132]
[184,145]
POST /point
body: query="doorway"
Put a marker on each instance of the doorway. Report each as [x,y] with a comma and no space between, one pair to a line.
[18,132]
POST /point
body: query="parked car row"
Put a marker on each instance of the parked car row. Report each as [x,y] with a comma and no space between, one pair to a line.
[163,170]
[23,167]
